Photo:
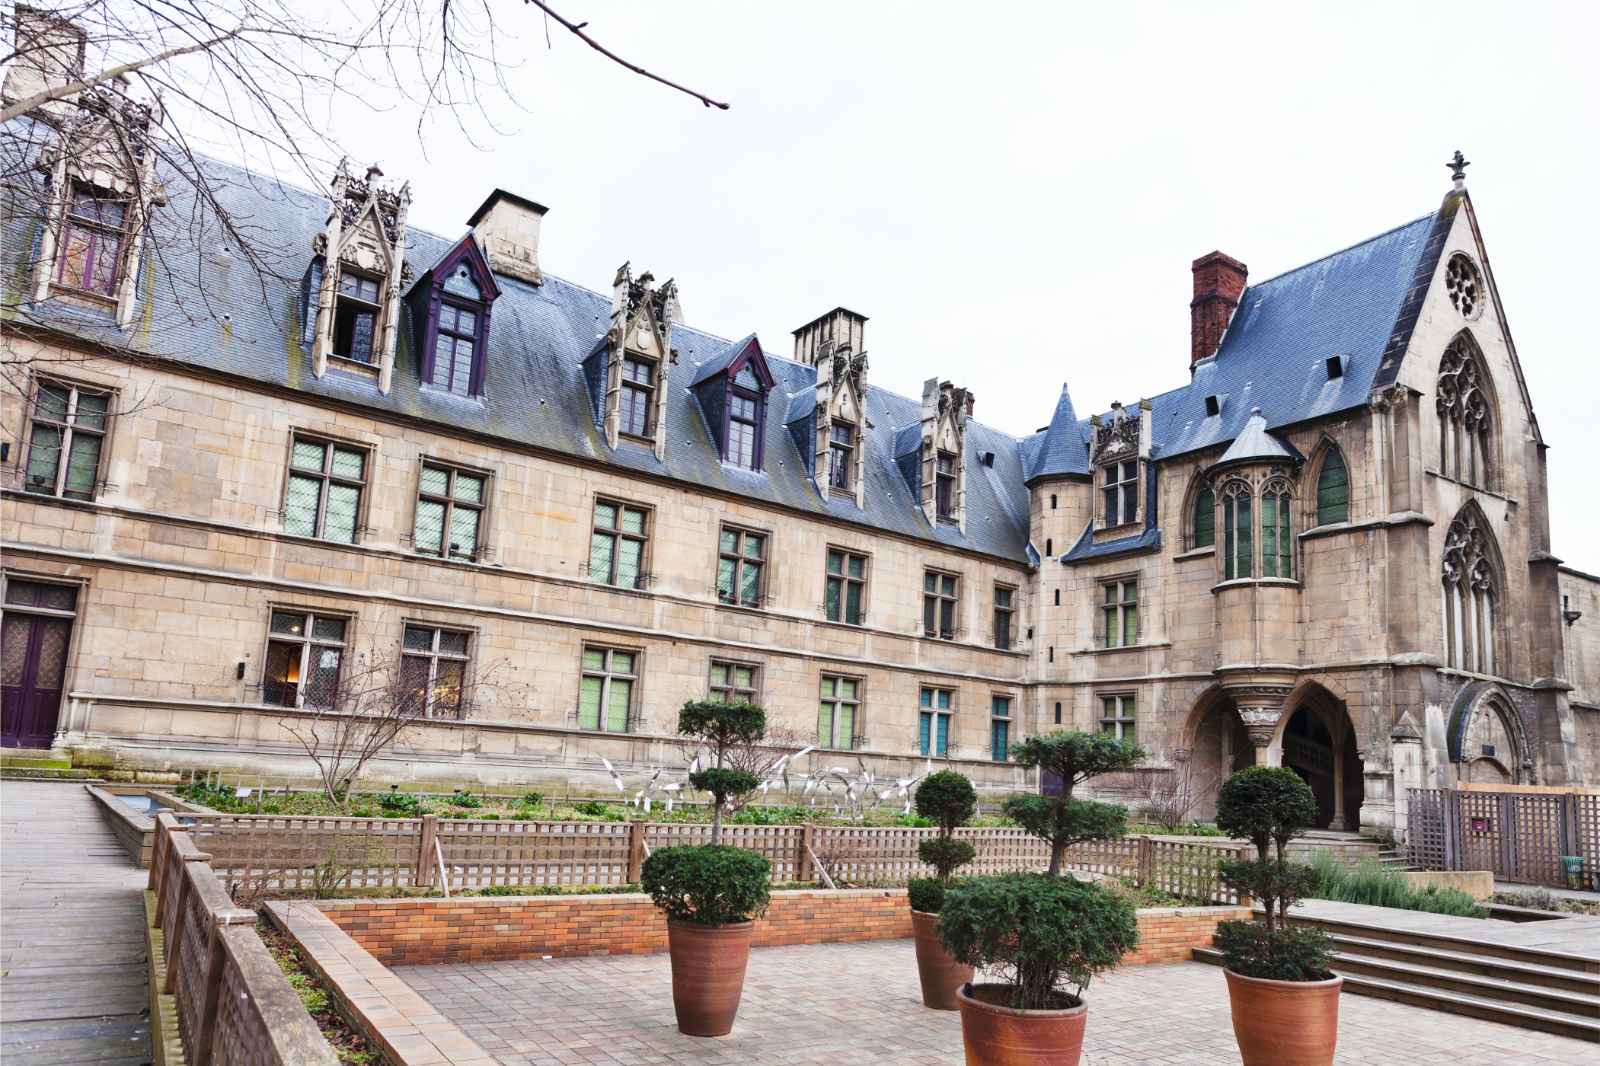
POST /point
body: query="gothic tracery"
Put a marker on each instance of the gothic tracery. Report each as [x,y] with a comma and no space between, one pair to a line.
[1471,595]
[1465,415]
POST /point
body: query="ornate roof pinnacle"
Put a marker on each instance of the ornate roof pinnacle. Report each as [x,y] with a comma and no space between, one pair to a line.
[1458,170]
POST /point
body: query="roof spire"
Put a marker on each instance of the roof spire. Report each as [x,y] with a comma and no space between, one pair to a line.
[1458,170]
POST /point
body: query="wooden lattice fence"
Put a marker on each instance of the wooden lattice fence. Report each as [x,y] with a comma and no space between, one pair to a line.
[1520,836]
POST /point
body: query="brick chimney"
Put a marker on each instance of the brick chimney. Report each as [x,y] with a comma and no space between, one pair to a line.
[1218,282]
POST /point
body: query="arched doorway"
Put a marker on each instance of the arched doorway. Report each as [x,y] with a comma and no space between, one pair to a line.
[1218,745]
[1486,737]
[1319,744]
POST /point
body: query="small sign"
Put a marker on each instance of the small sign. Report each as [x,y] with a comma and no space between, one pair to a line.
[242,793]
[1488,749]
[1480,825]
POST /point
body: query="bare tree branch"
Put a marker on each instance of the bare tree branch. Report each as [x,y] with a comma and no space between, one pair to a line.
[577,31]
[73,88]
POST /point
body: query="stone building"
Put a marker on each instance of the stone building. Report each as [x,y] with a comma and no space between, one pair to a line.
[563,511]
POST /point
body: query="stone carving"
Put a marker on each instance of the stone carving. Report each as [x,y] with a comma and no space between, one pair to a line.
[1117,435]
[1464,287]
[1260,723]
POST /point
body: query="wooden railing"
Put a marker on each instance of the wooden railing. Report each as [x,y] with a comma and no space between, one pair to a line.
[1546,838]
[234,1005]
[257,853]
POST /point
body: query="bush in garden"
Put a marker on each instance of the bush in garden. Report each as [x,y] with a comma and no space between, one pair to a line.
[1270,806]
[722,726]
[1038,932]
[948,800]
[1074,757]
[708,884]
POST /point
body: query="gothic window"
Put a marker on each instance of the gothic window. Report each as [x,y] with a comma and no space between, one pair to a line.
[451,305]
[1277,536]
[841,454]
[66,439]
[1471,596]
[1121,492]
[1333,489]
[1203,519]
[1465,287]
[1238,551]
[91,242]
[450,504]
[355,316]
[945,486]
[617,544]
[326,483]
[637,410]
[1466,415]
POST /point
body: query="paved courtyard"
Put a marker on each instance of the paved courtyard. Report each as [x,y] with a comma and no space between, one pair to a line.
[858,1005]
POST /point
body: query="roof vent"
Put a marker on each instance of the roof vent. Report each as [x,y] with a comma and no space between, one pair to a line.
[1335,365]
[1213,405]
[987,458]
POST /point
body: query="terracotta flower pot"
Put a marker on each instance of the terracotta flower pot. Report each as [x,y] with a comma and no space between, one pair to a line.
[1278,1022]
[997,1035]
[941,975]
[708,963]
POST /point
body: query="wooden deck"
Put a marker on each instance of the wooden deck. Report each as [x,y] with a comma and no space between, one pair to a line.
[72,959]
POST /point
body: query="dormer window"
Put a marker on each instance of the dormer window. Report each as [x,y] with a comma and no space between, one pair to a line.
[355,316]
[91,243]
[637,409]
[450,305]
[732,391]
[743,416]
[455,350]
[841,454]
[1121,492]
[945,487]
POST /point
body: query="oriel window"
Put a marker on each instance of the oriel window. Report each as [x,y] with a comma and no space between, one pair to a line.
[66,439]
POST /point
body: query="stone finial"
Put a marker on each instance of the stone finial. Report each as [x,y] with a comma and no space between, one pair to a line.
[1458,169]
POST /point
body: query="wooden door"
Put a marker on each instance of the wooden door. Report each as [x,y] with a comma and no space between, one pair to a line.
[33,663]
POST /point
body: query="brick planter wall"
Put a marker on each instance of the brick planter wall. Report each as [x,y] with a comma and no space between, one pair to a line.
[482,929]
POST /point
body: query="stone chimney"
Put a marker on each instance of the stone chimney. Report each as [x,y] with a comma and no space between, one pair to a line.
[49,51]
[845,329]
[1218,283]
[507,228]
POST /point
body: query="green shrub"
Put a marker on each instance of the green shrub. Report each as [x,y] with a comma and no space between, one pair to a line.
[947,799]
[1037,931]
[1287,953]
[708,885]
[530,799]
[593,808]
[946,854]
[400,804]
[777,815]
[925,894]
[465,799]
[1374,886]
[1073,757]
[727,727]
[1266,805]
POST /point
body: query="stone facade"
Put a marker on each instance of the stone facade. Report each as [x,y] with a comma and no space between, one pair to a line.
[1415,638]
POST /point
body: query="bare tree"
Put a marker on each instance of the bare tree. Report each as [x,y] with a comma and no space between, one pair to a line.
[357,710]
[1169,798]
[148,95]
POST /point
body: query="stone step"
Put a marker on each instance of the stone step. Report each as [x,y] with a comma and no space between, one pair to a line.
[1466,962]
[50,773]
[1450,942]
[1489,1007]
[1577,1004]
[33,760]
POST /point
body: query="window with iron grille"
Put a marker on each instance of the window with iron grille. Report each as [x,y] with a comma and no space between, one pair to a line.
[637,407]
[606,688]
[845,595]
[90,256]
[741,566]
[1117,716]
[1121,610]
[355,316]
[305,654]
[66,439]
[945,486]
[1000,728]
[936,708]
[434,669]
[617,544]
[939,600]
[841,454]
[1004,615]
[1121,492]
[450,507]
[734,682]
[323,497]
[839,712]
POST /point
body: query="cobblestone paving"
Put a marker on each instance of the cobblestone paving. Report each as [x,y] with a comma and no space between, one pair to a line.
[858,1005]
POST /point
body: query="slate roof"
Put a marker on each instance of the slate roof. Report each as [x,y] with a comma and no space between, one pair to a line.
[1255,441]
[535,391]
[204,306]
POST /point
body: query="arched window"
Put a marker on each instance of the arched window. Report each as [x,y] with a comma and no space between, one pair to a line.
[1237,529]
[1466,415]
[1203,519]
[1277,536]
[1471,596]
[1333,489]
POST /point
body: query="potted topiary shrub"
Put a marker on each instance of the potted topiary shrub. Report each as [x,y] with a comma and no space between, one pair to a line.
[711,894]
[1041,934]
[1285,1000]
[1073,757]
[948,799]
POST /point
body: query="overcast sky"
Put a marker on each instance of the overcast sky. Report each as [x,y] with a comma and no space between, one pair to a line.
[1013,193]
